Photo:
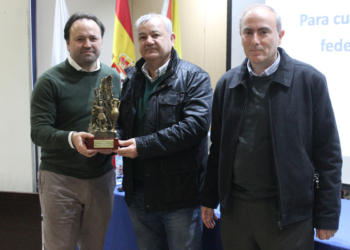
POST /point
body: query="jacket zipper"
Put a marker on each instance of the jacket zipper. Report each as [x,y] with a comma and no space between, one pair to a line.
[239,130]
[157,105]
[317,180]
[279,223]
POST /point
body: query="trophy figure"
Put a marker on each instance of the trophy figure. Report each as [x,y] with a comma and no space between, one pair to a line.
[105,113]
[115,112]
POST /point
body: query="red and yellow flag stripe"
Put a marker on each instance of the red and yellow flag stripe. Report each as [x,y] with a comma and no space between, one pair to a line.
[171,10]
[123,52]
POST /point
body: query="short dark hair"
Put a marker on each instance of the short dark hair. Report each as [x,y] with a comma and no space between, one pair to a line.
[78,16]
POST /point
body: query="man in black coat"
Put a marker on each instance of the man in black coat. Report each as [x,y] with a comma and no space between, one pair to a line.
[275,159]
[164,119]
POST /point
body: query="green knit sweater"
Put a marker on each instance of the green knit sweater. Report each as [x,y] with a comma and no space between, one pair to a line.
[60,103]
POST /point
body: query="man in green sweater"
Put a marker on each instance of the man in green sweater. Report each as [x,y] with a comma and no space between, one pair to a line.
[75,184]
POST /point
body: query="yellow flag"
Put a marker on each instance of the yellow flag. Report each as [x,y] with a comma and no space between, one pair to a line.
[123,54]
[171,10]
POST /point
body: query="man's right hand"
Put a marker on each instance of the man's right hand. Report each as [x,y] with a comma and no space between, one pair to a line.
[324,234]
[128,148]
[208,217]
[78,140]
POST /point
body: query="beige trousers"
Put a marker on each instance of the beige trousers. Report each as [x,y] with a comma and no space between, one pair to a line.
[75,211]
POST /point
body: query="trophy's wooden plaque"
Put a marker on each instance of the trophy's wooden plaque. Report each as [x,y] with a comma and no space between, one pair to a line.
[102,143]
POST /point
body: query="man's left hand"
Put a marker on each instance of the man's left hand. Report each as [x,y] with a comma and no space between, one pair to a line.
[78,140]
[208,217]
[128,148]
[323,234]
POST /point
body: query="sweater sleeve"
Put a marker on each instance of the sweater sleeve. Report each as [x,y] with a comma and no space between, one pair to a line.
[43,112]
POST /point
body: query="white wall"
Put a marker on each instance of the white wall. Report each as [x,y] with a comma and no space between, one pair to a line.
[16,168]
[103,9]
[237,53]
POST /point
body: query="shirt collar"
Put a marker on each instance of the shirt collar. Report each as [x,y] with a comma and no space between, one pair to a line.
[159,72]
[270,70]
[78,68]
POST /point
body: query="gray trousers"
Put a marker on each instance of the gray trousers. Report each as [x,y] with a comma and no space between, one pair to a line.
[75,211]
[252,225]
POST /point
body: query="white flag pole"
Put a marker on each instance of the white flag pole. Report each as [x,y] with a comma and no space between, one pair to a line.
[59,47]
[165,8]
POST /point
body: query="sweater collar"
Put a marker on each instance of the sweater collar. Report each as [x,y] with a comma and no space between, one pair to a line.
[77,66]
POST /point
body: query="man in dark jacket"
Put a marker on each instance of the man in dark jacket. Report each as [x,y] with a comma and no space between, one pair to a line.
[164,119]
[275,159]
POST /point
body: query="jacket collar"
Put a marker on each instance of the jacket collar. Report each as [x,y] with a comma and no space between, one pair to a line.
[284,73]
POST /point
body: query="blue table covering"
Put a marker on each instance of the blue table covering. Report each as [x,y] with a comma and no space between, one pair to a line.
[121,235]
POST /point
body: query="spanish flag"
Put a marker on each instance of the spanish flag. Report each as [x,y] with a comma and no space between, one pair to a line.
[123,53]
[171,10]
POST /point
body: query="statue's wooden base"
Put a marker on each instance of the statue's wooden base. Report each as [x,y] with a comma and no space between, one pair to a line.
[102,143]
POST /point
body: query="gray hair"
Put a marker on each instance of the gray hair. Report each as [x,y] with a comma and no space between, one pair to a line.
[145,18]
[254,6]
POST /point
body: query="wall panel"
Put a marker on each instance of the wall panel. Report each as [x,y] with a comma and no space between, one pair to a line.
[215,39]
[16,166]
